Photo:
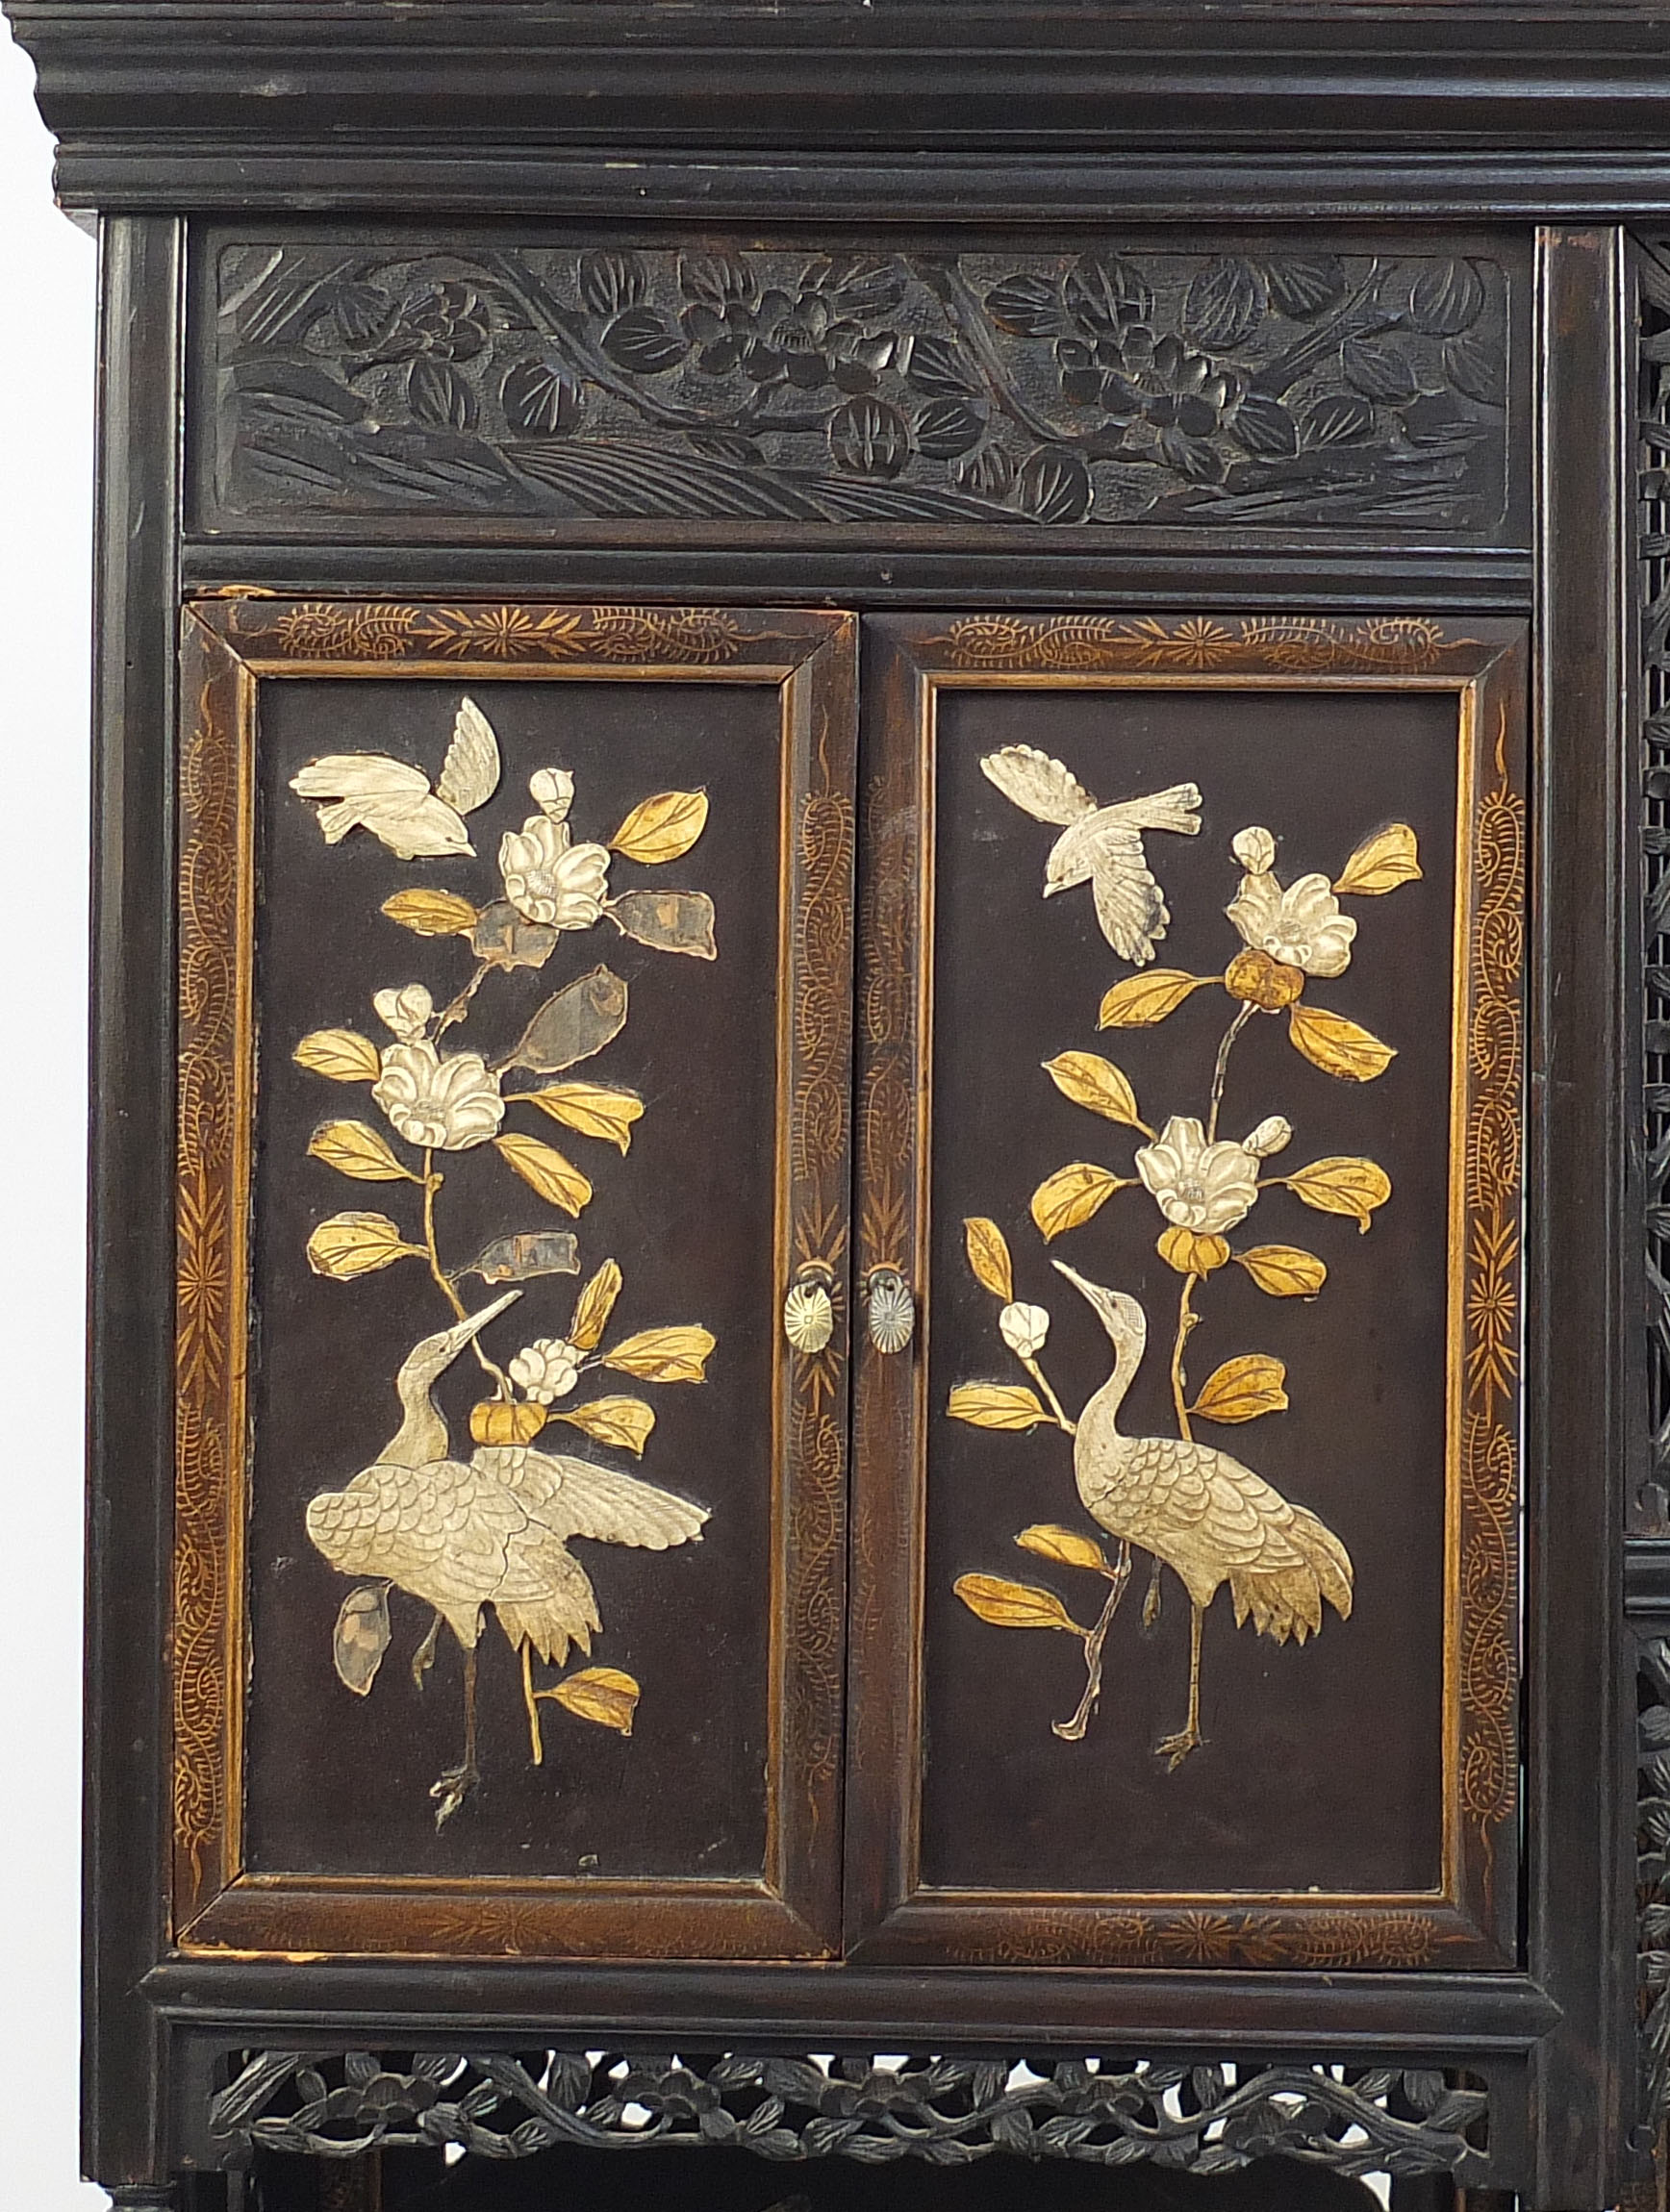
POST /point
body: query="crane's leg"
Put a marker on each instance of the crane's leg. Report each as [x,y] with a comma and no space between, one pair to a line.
[423,1658]
[1176,1748]
[452,1788]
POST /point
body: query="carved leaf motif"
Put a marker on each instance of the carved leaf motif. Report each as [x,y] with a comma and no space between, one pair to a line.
[677,1355]
[996,1405]
[545,1170]
[1095,1083]
[1380,369]
[1064,1546]
[432,913]
[437,397]
[1241,1389]
[988,1252]
[1380,862]
[1343,1184]
[600,1693]
[341,1054]
[506,939]
[1226,303]
[353,1148]
[1054,485]
[624,1422]
[1027,305]
[1301,288]
[641,342]
[351,1244]
[540,400]
[669,921]
[1068,1198]
[1142,1000]
[1014,1604]
[1282,1270]
[1338,1046]
[361,1636]
[574,1023]
[1446,297]
[661,828]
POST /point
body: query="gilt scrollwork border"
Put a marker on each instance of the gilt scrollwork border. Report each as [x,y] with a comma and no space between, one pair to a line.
[228,646]
[1470,1919]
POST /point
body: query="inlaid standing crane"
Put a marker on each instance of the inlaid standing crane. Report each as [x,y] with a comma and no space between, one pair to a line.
[1208,1517]
[494,1531]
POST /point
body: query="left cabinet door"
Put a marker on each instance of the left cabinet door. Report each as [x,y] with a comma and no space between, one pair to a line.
[514,1011]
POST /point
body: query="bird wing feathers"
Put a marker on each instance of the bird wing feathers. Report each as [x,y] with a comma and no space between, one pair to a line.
[573,1497]
[391,798]
[1212,1520]
[470,773]
[1043,787]
[437,1530]
[1129,905]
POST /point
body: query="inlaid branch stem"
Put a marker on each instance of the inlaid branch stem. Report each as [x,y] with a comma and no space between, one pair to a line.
[1072,1731]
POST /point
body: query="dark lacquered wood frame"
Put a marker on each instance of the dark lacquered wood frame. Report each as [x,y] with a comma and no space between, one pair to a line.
[229,648]
[1542,116]
[1470,1918]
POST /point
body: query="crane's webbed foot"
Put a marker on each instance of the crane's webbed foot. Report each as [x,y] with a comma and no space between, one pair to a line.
[1174,1749]
[449,1791]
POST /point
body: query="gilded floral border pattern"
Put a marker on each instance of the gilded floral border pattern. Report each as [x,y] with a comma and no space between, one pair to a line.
[208,1329]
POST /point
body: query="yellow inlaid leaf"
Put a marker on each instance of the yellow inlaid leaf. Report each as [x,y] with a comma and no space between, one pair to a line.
[989,1257]
[350,1244]
[546,1171]
[600,1693]
[1338,1046]
[1241,1389]
[1381,862]
[1065,1545]
[506,1420]
[1014,1604]
[625,1422]
[432,913]
[996,1405]
[1284,1271]
[1343,1186]
[1192,1251]
[591,1108]
[1142,1000]
[594,1306]
[661,828]
[1068,1198]
[1091,1081]
[663,1355]
[352,1148]
[341,1054]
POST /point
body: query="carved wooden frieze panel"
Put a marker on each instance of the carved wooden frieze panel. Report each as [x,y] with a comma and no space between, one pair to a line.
[725,386]
[1191,1110]
[515,992]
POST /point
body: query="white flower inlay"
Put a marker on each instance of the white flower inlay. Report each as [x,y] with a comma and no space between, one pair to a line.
[443,1105]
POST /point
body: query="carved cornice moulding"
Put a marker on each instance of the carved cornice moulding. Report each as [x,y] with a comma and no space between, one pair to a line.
[148,100]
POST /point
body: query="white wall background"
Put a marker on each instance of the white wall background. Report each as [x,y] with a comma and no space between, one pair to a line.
[47,401]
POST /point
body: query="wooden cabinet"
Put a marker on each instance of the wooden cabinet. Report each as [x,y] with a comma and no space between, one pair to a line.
[869,1066]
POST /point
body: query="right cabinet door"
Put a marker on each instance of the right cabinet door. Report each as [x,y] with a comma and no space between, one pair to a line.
[1184,1601]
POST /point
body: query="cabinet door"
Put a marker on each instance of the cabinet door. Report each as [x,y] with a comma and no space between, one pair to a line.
[510,1528]
[1185,1583]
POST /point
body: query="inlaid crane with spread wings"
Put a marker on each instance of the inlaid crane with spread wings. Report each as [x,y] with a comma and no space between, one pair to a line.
[494,1530]
[1101,845]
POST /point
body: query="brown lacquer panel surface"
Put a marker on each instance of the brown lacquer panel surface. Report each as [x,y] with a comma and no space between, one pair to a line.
[498,1148]
[1199,1125]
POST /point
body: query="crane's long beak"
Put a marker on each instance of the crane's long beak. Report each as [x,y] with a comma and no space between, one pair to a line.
[1104,1304]
[462,1332]
[426,1360]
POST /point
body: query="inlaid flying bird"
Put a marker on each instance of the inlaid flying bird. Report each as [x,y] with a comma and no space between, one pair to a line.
[1099,844]
[396,802]
[493,1531]
[1208,1517]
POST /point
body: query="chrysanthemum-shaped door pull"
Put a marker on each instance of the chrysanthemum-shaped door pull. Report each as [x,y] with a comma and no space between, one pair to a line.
[892,1310]
[809,1311]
